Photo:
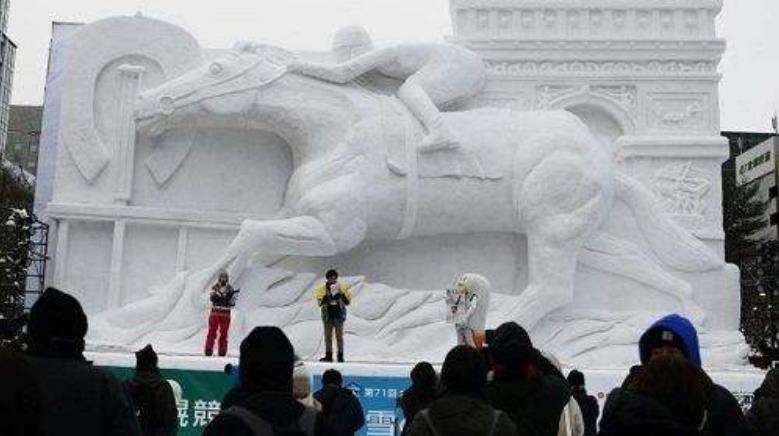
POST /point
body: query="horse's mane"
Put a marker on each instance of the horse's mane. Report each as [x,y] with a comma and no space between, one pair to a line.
[270,53]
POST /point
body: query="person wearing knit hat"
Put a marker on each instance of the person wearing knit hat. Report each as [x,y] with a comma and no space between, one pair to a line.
[78,398]
[340,407]
[674,335]
[264,400]
[57,325]
[462,408]
[222,298]
[153,397]
[525,385]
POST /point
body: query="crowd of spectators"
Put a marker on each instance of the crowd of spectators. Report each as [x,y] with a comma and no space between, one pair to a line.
[508,388]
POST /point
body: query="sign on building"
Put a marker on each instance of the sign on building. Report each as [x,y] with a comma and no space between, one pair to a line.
[756,162]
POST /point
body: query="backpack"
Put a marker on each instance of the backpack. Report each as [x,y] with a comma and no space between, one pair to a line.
[304,426]
[144,398]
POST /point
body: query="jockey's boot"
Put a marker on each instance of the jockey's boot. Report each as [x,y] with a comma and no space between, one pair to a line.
[328,357]
[341,357]
[440,137]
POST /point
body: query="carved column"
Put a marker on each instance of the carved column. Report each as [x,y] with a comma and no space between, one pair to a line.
[117,254]
[130,84]
[181,250]
[61,254]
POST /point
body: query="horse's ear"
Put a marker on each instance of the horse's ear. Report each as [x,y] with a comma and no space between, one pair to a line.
[276,55]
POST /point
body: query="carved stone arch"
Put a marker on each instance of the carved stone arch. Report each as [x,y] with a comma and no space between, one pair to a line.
[610,106]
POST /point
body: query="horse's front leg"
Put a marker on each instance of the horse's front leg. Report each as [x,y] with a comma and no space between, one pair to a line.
[270,240]
[328,219]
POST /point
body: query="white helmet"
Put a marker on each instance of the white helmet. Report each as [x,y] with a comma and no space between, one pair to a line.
[350,42]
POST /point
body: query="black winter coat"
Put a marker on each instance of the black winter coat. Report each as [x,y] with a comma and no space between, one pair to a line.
[277,409]
[725,414]
[415,399]
[341,409]
[763,416]
[629,413]
[725,417]
[590,410]
[535,407]
[459,415]
[80,399]
[150,390]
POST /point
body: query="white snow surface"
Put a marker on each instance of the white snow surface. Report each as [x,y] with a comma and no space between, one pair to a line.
[586,196]
[384,325]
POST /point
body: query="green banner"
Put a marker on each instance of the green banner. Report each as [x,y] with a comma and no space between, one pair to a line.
[201,395]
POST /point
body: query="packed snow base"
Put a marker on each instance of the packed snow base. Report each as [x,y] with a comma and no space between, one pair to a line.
[384,324]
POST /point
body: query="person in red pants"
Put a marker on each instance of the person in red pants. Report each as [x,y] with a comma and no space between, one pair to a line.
[222,300]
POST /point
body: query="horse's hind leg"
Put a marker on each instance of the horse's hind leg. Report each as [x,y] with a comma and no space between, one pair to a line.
[560,203]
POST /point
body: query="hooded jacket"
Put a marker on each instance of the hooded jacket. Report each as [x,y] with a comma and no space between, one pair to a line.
[534,405]
[265,391]
[631,413]
[341,409]
[77,397]
[20,396]
[534,402]
[724,413]
[683,328]
[763,416]
[415,399]
[275,408]
[455,414]
[149,386]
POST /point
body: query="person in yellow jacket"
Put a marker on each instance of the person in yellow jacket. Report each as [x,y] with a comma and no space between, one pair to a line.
[333,297]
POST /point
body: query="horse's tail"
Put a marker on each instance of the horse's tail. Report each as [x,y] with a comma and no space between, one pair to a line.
[674,245]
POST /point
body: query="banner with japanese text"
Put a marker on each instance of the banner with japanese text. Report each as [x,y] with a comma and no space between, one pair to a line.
[201,395]
[202,392]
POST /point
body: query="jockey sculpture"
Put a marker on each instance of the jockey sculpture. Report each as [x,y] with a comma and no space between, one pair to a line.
[434,75]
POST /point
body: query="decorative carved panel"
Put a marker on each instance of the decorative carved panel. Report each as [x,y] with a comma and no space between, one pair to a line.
[600,67]
[682,189]
[679,111]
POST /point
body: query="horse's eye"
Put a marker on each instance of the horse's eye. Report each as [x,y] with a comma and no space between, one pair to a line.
[215,68]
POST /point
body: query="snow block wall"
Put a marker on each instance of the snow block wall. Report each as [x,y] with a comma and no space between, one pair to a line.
[143,219]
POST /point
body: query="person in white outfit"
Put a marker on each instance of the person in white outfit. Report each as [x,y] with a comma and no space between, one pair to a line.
[468,303]
[433,75]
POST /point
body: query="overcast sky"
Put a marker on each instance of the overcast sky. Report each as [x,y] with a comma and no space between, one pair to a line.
[749,90]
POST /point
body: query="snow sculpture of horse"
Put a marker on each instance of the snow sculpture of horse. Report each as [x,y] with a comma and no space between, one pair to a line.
[540,173]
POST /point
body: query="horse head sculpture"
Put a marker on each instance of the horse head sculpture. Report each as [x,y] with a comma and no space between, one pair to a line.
[229,77]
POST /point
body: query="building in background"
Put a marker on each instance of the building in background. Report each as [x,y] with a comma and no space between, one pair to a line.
[750,204]
[4,6]
[24,134]
[7,60]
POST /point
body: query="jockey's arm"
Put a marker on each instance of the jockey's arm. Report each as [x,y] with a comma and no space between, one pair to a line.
[347,71]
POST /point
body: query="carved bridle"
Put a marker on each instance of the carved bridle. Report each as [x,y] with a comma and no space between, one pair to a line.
[169,104]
